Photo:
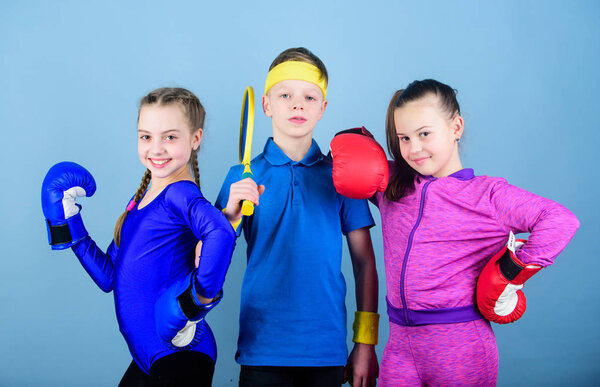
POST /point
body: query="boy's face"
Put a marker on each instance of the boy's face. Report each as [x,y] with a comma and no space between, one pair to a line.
[294,107]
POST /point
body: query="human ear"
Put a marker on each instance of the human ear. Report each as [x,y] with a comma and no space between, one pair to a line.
[197,138]
[266,105]
[323,107]
[457,125]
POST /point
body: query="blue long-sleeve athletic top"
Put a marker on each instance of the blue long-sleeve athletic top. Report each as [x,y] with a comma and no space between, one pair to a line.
[157,249]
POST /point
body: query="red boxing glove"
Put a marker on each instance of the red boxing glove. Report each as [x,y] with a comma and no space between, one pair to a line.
[360,167]
[499,295]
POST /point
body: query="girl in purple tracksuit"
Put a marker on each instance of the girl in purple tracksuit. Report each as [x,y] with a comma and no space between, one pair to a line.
[441,224]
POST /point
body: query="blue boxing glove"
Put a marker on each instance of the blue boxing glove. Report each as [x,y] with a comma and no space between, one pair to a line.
[63,183]
[178,312]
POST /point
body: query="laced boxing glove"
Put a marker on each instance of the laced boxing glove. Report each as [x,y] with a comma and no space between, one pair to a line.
[499,295]
[63,183]
[360,167]
[178,312]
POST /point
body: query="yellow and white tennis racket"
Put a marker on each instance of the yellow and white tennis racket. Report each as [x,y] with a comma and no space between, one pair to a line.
[246,129]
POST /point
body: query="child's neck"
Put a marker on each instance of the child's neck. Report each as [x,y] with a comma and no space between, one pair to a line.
[158,184]
[294,148]
[452,167]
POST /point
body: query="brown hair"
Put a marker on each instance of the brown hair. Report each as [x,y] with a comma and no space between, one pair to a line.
[301,54]
[195,113]
[402,178]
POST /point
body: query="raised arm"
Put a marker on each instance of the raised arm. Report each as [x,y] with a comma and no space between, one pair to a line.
[63,183]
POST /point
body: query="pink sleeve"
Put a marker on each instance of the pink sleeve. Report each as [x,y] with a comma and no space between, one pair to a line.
[551,225]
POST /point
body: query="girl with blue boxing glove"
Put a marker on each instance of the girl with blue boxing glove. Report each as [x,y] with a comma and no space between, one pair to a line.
[161,297]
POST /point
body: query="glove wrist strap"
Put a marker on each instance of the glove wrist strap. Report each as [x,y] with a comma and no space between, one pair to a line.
[191,307]
[514,270]
[67,234]
[366,327]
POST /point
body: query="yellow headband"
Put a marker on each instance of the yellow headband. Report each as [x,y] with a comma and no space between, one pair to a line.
[301,71]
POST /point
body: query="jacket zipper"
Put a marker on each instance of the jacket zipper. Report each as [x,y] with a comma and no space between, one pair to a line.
[409,246]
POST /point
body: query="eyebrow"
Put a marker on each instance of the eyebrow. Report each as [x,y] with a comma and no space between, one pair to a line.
[416,130]
[163,132]
[286,88]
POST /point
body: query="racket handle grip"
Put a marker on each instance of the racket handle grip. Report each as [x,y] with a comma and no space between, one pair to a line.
[247,205]
[247,208]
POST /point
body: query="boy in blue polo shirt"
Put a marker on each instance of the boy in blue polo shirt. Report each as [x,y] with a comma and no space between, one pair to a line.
[293,314]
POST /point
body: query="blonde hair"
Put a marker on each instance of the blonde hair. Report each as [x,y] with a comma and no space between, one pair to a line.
[301,54]
[195,113]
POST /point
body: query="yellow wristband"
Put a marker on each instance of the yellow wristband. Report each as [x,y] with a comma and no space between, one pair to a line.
[235,224]
[366,327]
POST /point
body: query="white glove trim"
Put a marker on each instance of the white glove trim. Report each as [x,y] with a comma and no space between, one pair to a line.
[507,302]
[186,334]
[68,201]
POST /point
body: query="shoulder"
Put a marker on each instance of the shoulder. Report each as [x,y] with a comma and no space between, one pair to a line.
[234,171]
[478,183]
[183,187]
[182,193]
[322,167]
[491,190]
[489,183]
[484,179]
[326,160]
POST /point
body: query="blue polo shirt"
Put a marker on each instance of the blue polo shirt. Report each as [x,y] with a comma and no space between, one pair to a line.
[293,309]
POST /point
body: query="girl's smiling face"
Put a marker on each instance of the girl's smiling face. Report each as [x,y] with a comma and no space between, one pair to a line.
[428,137]
[166,141]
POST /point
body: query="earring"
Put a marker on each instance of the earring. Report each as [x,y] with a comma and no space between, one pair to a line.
[458,139]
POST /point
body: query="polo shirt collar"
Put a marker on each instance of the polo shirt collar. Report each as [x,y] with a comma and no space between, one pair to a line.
[275,155]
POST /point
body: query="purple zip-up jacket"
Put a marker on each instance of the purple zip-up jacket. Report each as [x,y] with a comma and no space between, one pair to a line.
[438,238]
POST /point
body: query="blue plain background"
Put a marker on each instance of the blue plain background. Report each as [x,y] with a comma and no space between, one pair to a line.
[71,74]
